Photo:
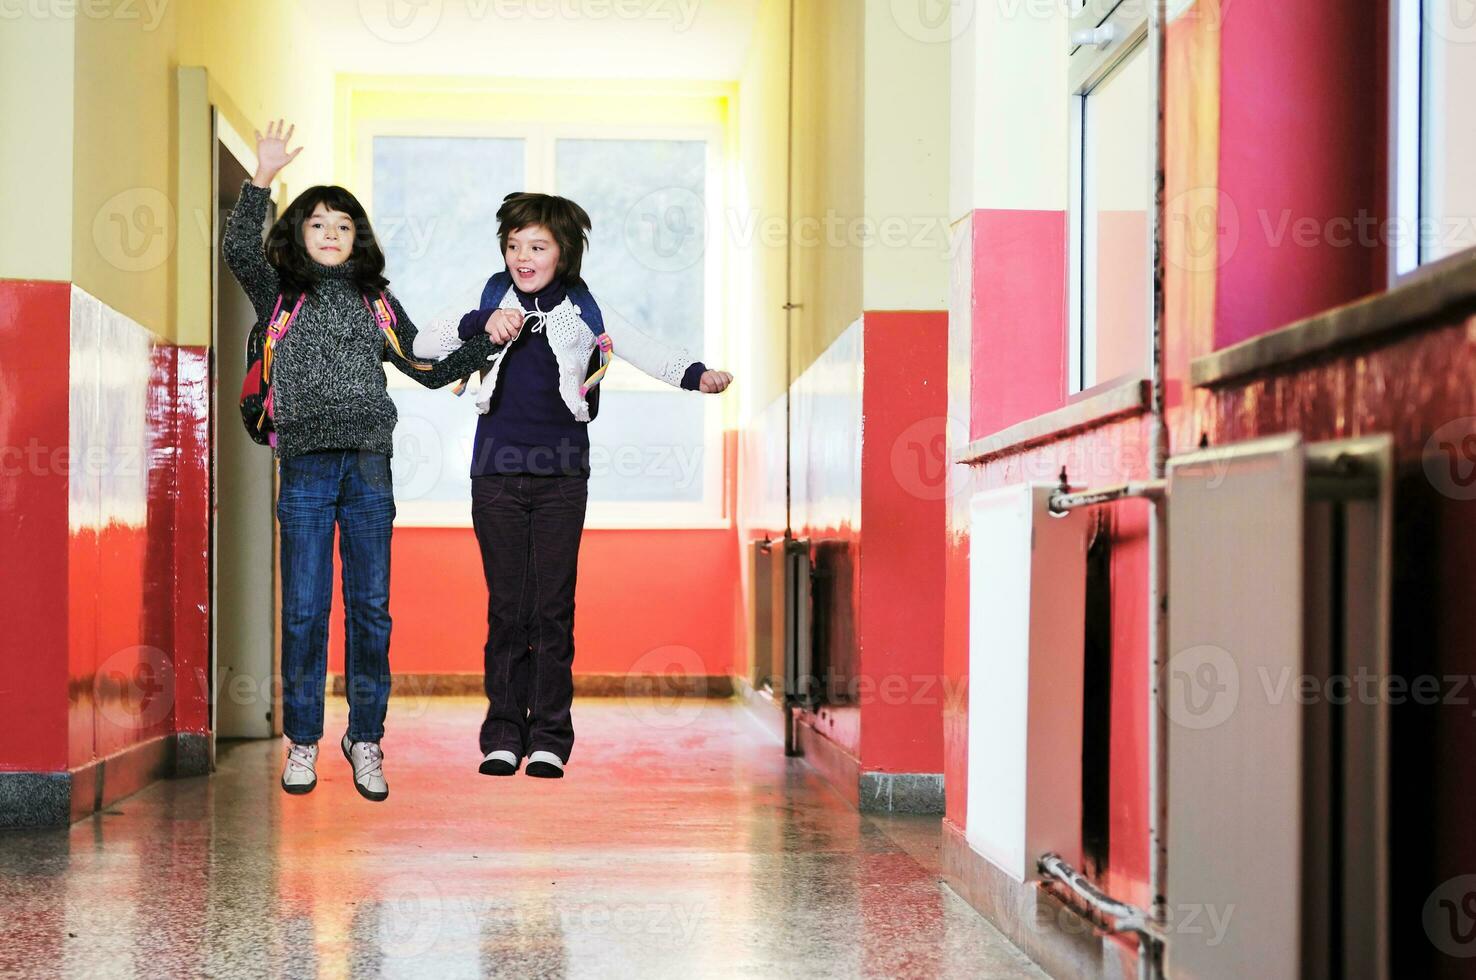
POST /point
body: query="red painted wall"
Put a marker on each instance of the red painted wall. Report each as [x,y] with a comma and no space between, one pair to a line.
[1122,302]
[1302,143]
[1019,318]
[870,422]
[190,454]
[648,602]
[903,482]
[33,525]
[105,583]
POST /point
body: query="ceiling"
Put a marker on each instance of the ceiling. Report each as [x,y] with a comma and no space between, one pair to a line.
[687,39]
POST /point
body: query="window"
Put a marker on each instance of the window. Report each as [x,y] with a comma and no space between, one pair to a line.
[1434,131]
[656,452]
[1111,183]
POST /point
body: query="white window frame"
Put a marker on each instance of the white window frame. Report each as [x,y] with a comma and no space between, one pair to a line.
[1406,134]
[1410,115]
[1091,65]
[539,141]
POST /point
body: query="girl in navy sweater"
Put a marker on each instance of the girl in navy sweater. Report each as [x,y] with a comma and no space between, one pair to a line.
[530,467]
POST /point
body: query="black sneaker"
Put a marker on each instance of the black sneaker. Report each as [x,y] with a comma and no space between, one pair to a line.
[545,765]
[502,762]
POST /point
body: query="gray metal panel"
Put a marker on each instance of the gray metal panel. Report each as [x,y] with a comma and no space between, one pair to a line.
[765,635]
[1366,585]
[1236,532]
[799,666]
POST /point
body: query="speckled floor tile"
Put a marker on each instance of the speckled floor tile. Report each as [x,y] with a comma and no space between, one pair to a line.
[681,844]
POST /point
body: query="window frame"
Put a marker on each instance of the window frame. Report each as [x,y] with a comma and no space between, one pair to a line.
[1406,136]
[1088,68]
[540,168]
[1410,116]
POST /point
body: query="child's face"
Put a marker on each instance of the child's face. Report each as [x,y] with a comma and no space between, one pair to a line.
[328,236]
[532,257]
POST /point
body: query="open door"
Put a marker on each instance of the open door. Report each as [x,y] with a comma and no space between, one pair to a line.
[246,695]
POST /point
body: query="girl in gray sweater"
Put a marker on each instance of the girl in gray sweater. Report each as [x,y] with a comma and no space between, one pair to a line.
[334,422]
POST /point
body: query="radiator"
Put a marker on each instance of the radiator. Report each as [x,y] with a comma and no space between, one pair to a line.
[800,684]
[1027,584]
[766,654]
[782,628]
[1277,803]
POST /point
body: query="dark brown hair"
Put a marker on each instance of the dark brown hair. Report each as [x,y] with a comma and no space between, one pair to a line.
[287,253]
[565,220]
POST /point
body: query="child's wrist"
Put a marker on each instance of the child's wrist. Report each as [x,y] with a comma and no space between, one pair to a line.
[263,179]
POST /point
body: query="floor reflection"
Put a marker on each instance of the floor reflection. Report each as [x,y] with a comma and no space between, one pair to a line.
[681,846]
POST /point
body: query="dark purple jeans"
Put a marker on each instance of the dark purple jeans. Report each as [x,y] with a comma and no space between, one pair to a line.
[528,528]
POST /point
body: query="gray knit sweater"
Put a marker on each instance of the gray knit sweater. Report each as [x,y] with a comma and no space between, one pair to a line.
[328,372]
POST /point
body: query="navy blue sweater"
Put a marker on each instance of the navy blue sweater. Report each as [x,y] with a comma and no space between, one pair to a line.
[528,429]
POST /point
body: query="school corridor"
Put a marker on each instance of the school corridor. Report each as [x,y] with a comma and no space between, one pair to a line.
[1075,579]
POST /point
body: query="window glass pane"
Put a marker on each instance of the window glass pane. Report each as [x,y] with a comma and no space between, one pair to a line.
[645,199]
[435,214]
[433,446]
[1118,175]
[648,446]
[645,265]
[1448,194]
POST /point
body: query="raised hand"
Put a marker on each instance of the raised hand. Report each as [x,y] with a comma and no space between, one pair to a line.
[271,152]
[714,382]
[503,325]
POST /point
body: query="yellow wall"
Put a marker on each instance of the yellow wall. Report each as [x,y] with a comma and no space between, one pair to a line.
[93,193]
[905,160]
[424,105]
[261,64]
[827,174]
[758,218]
[870,159]
[36,56]
[123,226]
[265,62]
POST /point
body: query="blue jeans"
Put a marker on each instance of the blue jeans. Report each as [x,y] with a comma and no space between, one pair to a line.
[351,489]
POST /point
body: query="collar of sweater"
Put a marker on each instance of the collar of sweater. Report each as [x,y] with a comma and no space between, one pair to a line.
[344,270]
[545,299]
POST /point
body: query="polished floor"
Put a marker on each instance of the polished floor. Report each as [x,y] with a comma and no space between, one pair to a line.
[681,844]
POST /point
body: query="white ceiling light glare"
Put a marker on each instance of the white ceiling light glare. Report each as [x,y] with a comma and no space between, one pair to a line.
[402,21]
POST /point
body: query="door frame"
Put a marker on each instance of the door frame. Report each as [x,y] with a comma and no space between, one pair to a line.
[225,138]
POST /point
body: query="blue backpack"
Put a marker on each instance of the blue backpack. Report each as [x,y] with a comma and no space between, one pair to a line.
[589,312]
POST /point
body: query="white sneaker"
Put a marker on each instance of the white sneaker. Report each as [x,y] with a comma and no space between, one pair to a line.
[300,774]
[367,758]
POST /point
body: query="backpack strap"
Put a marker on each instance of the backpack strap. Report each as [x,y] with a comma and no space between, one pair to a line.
[495,289]
[277,328]
[589,312]
[383,312]
[586,308]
